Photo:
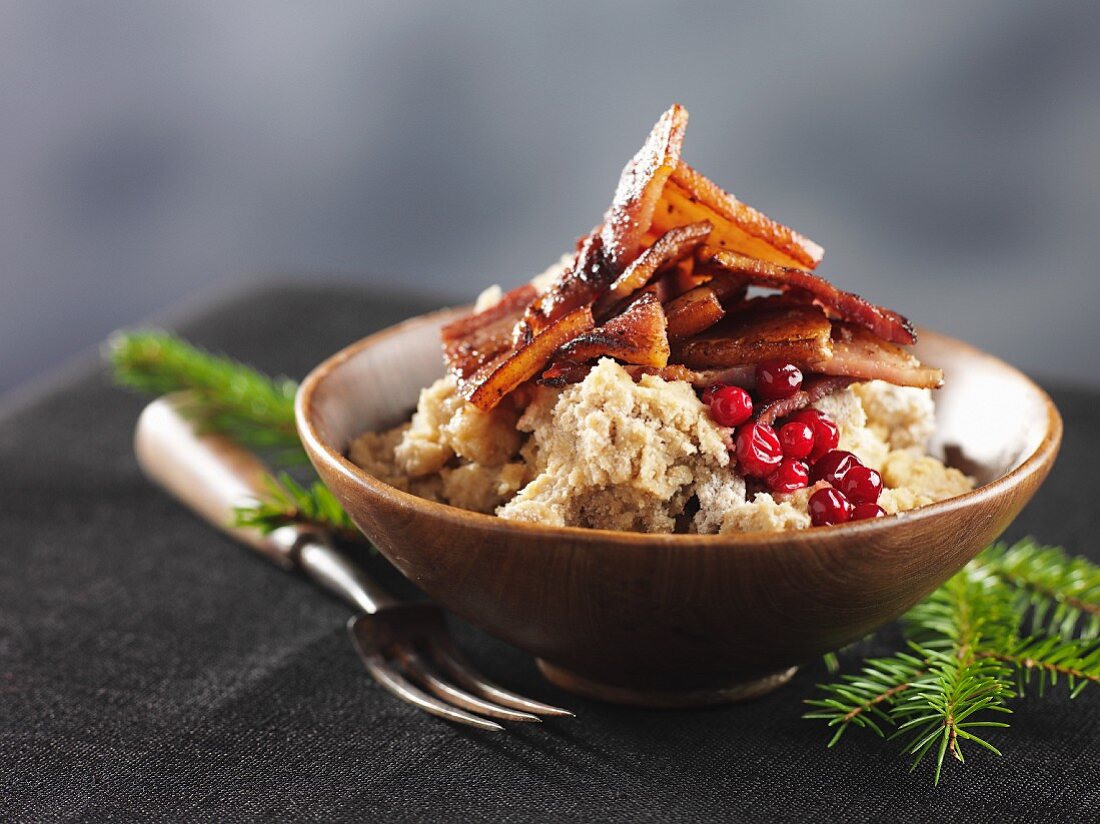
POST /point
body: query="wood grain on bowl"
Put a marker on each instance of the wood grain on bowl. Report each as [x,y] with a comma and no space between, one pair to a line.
[669,620]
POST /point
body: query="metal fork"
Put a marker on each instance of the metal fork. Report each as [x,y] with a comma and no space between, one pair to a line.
[404,645]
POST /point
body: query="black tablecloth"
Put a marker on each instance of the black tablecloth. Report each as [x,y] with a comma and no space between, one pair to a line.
[150,669]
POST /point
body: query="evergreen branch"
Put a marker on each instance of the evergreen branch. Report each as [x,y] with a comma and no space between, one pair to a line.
[967,649]
[864,700]
[1062,593]
[288,502]
[938,707]
[947,628]
[225,396]
[941,691]
[1050,658]
[972,604]
[233,399]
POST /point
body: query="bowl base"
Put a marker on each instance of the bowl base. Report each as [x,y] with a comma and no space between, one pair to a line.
[664,699]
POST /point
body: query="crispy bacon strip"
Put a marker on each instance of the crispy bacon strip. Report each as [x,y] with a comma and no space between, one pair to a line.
[683,278]
[486,387]
[757,303]
[561,372]
[631,211]
[475,339]
[465,356]
[851,307]
[674,245]
[514,301]
[636,336]
[815,388]
[688,197]
[798,334]
[693,312]
[578,286]
[859,354]
[662,288]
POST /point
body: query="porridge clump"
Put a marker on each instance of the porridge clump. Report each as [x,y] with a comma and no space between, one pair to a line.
[610,453]
[451,452]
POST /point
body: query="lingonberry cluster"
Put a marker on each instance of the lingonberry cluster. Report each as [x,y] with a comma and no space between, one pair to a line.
[852,494]
[797,453]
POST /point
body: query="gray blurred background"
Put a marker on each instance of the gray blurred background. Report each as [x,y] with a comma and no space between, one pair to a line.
[945,155]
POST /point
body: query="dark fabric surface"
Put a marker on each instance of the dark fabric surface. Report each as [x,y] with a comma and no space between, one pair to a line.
[150,669]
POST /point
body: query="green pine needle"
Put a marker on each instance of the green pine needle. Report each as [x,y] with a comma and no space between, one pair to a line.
[969,654]
[225,396]
[288,502]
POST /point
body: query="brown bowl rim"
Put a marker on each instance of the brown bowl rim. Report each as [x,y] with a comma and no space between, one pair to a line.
[319,450]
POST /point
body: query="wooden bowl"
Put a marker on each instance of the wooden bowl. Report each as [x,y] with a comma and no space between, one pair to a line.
[678,620]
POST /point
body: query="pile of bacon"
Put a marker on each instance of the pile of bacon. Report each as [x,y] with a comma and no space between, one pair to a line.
[662,286]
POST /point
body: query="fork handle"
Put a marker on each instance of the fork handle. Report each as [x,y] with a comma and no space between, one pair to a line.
[212,475]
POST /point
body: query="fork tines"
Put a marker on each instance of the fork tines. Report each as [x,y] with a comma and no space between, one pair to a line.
[393,643]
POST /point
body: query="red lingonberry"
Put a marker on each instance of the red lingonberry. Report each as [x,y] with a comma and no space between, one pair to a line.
[832,466]
[797,438]
[826,435]
[865,512]
[791,475]
[708,393]
[730,406]
[861,484]
[828,506]
[777,379]
[758,450]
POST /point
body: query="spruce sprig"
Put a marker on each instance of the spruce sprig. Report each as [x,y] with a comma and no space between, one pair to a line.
[230,398]
[288,502]
[1062,593]
[949,628]
[226,396]
[938,709]
[863,700]
[1050,658]
[967,656]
